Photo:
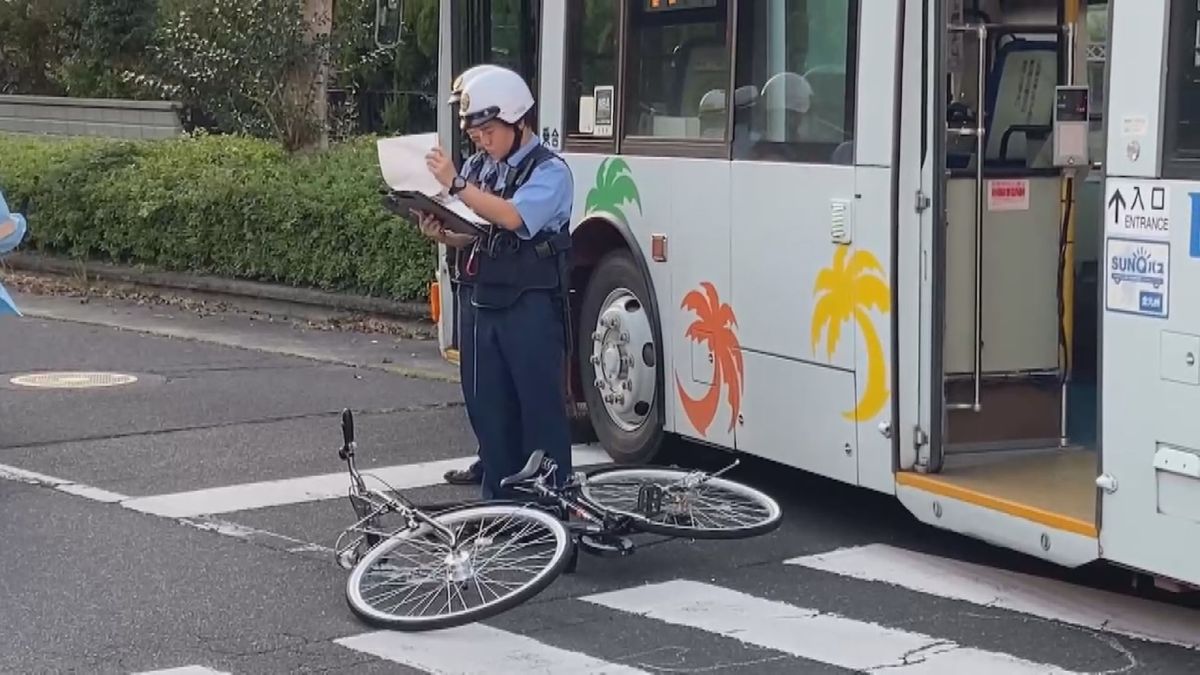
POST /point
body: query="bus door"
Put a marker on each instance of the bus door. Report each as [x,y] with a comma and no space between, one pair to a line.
[1150,470]
[918,236]
[498,32]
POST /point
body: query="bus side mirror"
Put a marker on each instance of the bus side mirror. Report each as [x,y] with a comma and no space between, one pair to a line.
[389,22]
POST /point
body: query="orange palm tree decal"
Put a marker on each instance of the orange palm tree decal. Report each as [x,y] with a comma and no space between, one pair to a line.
[713,327]
[848,289]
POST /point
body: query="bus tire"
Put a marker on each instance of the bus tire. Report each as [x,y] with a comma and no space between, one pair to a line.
[617,349]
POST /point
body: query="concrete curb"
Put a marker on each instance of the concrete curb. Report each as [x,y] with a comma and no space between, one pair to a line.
[33,262]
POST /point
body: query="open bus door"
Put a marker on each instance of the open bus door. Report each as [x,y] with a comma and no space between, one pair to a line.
[918,203]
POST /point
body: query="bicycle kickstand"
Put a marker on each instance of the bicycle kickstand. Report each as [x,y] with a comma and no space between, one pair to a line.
[573,561]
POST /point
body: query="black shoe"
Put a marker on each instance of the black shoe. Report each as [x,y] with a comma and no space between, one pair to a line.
[472,475]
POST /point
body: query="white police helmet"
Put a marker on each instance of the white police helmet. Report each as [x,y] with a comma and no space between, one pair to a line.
[456,89]
[496,94]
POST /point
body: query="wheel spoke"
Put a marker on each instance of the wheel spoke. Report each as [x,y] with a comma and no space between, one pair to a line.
[501,551]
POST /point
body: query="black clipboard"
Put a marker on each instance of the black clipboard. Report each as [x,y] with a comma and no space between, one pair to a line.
[404,202]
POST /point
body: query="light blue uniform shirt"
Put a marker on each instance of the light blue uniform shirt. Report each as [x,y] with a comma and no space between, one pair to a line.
[545,200]
[487,167]
[8,243]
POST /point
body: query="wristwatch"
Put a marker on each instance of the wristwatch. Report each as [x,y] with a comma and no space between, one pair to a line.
[457,185]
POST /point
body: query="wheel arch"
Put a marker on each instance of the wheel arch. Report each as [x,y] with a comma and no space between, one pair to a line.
[596,236]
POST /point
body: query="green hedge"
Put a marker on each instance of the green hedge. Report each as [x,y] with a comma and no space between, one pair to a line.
[222,205]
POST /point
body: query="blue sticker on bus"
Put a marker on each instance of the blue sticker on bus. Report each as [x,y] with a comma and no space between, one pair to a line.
[1138,277]
[1194,245]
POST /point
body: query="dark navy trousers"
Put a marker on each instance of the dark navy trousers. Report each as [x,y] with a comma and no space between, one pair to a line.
[518,395]
[466,348]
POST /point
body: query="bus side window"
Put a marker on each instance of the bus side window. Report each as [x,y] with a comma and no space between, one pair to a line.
[1181,133]
[677,59]
[591,54]
[800,54]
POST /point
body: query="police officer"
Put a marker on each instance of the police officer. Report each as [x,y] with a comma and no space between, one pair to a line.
[518,276]
[478,168]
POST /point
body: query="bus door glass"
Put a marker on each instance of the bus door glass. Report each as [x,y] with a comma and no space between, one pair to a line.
[497,32]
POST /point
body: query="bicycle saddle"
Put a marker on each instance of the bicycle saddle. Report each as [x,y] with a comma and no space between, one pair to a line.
[530,470]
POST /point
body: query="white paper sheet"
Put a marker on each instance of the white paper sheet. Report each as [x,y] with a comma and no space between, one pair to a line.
[402,163]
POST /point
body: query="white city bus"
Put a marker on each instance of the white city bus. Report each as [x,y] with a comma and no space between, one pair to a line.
[926,248]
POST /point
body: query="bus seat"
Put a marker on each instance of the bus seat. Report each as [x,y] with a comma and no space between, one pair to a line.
[700,66]
[711,109]
[826,119]
[1019,101]
[843,153]
[786,101]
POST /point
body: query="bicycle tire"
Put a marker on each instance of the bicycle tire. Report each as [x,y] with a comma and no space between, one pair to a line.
[563,549]
[772,518]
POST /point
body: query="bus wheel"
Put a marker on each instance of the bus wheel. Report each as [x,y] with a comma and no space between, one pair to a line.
[616,349]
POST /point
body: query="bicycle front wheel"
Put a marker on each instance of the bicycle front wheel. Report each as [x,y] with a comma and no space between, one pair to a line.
[415,581]
[661,501]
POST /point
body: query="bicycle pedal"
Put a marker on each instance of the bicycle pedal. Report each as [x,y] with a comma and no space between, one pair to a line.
[606,547]
[650,500]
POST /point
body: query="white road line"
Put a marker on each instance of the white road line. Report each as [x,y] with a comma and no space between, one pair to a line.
[184,670]
[477,648]
[246,496]
[93,493]
[808,633]
[1045,598]
[61,484]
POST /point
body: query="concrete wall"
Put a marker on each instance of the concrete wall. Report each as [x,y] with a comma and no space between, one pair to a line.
[112,118]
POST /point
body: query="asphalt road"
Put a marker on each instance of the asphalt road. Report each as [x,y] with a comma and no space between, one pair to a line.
[98,579]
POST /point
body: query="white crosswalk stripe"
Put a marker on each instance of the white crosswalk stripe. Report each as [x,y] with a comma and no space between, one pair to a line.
[476,648]
[808,633]
[804,633]
[1024,593]
[184,670]
[264,494]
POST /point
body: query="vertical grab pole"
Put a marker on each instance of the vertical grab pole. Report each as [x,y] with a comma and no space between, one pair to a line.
[1071,18]
[980,149]
[981,31]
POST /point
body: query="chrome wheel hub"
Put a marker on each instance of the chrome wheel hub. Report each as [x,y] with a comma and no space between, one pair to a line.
[458,566]
[623,359]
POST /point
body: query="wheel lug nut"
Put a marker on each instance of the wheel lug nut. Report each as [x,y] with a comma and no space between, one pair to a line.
[595,360]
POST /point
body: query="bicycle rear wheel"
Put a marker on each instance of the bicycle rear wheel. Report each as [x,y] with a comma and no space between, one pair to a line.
[415,581]
[716,508]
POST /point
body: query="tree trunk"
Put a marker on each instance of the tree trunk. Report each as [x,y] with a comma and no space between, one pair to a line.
[318,14]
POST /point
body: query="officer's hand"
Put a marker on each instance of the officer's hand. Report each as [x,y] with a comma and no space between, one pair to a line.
[430,226]
[440,166]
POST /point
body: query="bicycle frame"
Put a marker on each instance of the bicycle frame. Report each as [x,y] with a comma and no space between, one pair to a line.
[370,504]
[602,520]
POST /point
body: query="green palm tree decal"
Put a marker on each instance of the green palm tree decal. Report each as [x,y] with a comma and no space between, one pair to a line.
[614,189]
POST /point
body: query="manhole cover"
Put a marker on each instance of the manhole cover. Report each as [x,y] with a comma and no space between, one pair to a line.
[73,380]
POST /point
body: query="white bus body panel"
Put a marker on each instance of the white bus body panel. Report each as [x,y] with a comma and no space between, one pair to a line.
[1151,368]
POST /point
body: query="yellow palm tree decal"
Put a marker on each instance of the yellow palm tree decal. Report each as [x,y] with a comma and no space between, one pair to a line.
[713,327]
[848,289]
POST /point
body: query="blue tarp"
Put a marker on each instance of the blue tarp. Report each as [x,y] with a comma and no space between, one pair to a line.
[12,231]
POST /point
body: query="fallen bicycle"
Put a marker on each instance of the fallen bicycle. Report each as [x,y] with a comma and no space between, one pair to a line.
[468,562]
